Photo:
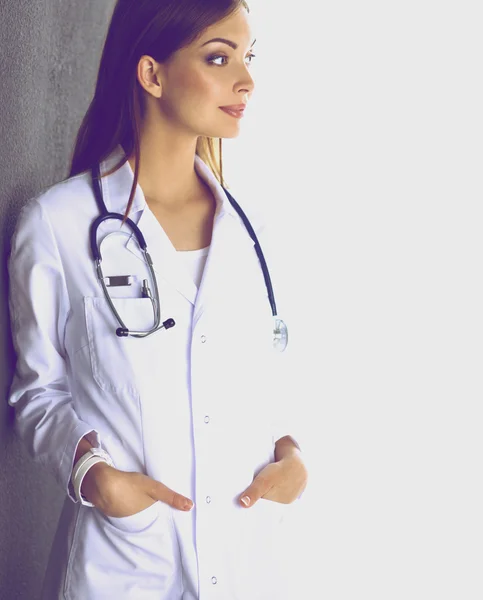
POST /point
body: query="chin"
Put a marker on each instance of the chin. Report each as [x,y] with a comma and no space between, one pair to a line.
[233,134]
[223,132]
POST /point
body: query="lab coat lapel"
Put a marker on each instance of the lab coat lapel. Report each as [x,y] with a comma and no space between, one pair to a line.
[167,266]
[164,256]
[229,242]
[229,234]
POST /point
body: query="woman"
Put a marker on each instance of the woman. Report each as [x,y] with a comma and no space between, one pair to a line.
[192,465]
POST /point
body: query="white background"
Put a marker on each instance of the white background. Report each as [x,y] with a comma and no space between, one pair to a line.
[364,142]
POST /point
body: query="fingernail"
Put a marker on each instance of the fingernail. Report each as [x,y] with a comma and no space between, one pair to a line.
[188,506]
[246,500]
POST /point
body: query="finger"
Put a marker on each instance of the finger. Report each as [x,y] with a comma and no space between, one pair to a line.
[165,494]
[258,488]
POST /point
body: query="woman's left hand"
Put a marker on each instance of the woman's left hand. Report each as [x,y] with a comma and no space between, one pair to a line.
[281,481]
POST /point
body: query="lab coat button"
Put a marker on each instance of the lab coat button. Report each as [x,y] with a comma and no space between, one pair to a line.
[207,419]
[214,580]
[203,339]
[208,499]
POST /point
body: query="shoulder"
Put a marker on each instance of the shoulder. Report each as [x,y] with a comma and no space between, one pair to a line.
[258,214]
[67,195]
[55,219]
[60,204]
[271,230]
[265,221]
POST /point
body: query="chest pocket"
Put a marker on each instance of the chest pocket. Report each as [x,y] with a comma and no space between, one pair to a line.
[121,363]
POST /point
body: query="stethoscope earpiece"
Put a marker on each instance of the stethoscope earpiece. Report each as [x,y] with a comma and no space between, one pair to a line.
[169,323]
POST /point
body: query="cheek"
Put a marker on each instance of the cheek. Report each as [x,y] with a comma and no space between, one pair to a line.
[198,91]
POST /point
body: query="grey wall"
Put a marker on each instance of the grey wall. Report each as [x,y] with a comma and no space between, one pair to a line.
[50,51]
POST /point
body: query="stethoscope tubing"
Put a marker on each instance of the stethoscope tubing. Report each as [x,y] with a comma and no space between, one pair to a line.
[96,253]
[105,215]
[258,250]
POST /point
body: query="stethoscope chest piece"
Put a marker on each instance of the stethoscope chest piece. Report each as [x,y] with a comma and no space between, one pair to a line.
[280,335]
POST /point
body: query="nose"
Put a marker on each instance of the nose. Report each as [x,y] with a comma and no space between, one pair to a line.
[246,83]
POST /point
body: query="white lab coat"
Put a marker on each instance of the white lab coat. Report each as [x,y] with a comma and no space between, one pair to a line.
[194,406]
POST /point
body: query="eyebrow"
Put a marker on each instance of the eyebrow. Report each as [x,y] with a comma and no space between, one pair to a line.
[225,41]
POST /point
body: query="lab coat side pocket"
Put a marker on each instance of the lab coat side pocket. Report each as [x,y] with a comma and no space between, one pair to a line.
[272,511]
[129,557]
[137,522]
[257,541]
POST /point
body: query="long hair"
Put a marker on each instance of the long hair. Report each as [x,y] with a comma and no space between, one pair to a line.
[156,28]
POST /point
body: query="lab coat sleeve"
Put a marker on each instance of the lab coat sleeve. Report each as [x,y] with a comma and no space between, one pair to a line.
[39,307]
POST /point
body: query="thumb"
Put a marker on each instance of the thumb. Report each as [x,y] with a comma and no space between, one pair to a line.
[161,492]
[256,490]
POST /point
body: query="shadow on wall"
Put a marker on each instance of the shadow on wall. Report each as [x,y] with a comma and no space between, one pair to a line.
[10,215]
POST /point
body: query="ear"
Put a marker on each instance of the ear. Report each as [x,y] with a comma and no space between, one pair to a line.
[148,75]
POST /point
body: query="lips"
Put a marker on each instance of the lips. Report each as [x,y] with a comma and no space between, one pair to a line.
[233,112]
[236,107]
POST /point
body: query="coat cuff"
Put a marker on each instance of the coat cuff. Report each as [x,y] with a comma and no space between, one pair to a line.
[68,456]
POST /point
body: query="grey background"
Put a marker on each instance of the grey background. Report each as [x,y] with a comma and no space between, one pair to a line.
[50,51]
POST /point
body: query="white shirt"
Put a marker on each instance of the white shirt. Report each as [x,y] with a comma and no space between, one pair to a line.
[195,407]
[194,261]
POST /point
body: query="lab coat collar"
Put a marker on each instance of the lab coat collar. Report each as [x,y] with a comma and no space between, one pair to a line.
[229,232]
[116,187]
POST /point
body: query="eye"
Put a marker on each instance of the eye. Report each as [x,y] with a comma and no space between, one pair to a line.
[214,57]
[250,56]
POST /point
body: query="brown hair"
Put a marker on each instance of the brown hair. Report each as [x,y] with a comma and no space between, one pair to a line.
[156,28]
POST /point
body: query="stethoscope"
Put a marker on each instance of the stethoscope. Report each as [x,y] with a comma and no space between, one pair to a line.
[280,332]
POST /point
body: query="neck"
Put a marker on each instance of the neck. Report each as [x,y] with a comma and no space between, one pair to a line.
[167,174]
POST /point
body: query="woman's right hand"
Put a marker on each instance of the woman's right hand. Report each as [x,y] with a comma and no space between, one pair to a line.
[122,494]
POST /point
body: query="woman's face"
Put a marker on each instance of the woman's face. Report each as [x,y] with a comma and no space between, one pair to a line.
[200,78]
